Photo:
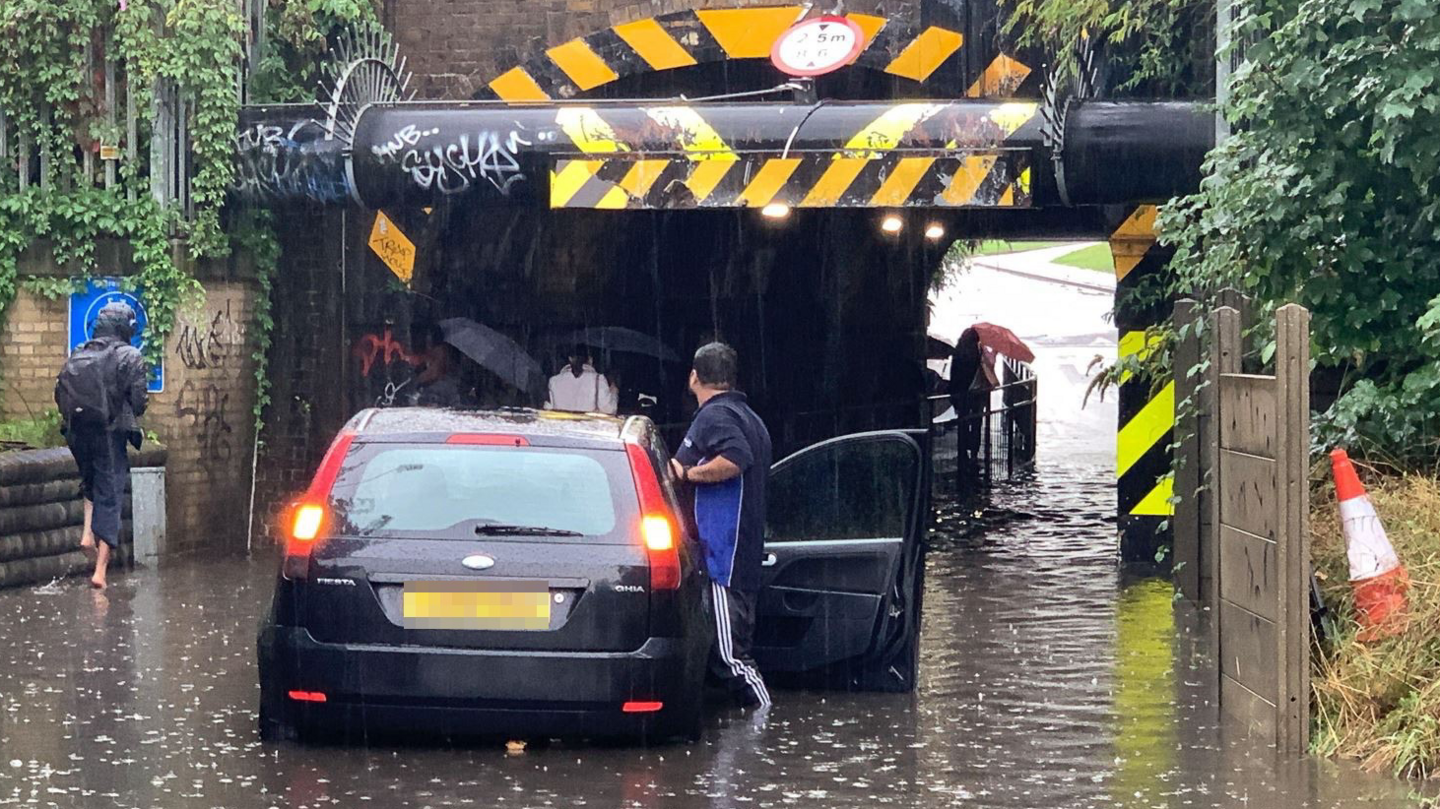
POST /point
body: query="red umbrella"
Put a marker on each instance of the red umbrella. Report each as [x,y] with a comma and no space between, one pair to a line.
[1000,340]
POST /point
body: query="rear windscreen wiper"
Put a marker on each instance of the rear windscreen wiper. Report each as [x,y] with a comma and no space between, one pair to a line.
[495,529]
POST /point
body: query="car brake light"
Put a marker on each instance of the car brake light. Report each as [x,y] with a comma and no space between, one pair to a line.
[657,525]
[308,696]
[488,440]
[641,707]
[309,516]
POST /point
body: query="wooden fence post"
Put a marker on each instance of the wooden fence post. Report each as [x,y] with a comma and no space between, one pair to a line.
[1292,373]
[1189,573]
[1225,350]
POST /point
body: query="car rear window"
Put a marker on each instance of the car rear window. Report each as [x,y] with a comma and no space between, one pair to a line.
[457,491]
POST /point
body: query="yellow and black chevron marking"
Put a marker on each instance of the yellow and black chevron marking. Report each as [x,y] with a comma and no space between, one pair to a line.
[1147,416]
[1000,79]
[908,155]
[687,38]
[828,180]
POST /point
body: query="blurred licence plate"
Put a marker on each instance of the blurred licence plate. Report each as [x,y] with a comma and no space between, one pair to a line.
[477,605]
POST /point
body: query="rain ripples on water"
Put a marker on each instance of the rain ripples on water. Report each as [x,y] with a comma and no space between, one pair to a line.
[1048,681]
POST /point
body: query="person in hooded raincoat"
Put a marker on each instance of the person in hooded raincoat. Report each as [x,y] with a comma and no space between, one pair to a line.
[100,451]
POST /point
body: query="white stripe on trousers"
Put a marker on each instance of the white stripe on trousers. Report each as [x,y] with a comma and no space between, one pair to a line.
[726,643]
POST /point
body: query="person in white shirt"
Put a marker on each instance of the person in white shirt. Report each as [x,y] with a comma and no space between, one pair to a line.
[579,388]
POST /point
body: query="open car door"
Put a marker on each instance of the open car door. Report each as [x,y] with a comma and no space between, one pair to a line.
[844,560]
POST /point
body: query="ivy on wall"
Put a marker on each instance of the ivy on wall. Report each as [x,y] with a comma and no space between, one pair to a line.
[52,54]
[1326,195]
[50,57]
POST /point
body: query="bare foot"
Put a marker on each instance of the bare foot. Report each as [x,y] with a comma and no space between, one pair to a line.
[102,561]
[87,546]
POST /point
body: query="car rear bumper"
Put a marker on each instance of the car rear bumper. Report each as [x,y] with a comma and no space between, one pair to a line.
[482,692]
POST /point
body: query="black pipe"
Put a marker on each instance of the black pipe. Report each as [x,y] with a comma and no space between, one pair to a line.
[418,154]
[1126,152]
[414,155]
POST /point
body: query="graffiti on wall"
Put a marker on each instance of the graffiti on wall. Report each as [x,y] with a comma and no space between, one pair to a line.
[210,341]
[202,408]
[272,162]
[381,354]
[453,167]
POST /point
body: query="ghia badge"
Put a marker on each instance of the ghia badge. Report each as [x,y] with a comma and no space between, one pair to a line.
[478,562]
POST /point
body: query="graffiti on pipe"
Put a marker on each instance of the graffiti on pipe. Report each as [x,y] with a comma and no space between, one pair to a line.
[203,409]
[453,167]
[272,162]
[208,345]
[406,136]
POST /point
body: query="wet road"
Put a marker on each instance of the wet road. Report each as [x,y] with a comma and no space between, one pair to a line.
[1046,683]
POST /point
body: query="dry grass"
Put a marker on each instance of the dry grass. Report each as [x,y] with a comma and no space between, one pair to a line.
[1379,703]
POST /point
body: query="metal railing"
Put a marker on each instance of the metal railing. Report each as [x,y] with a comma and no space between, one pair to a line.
[995,438]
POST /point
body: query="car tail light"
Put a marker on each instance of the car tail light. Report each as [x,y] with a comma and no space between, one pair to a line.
[308,696]
[657,524]
[635,706]
[311,514]
[308,519]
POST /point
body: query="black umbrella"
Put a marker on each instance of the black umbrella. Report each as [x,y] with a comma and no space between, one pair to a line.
[621,339]
[495,352]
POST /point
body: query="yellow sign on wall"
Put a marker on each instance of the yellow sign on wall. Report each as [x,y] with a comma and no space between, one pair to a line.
[393,247]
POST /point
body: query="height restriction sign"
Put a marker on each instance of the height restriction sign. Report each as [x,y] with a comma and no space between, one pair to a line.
[817,46]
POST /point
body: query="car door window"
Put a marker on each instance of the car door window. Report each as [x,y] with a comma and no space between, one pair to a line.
[849,490]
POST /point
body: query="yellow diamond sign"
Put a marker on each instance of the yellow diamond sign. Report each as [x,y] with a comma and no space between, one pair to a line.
[393,247]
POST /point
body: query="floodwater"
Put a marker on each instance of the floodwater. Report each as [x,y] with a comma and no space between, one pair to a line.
[1047,681]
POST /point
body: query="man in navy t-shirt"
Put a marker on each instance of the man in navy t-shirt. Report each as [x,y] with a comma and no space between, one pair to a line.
[726,457]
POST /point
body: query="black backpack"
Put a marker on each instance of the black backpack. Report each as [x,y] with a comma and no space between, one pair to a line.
[83,389]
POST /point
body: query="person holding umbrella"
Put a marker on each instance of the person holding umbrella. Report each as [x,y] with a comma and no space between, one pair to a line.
[438,383]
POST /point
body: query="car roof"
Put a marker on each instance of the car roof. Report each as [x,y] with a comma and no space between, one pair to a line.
[377,422]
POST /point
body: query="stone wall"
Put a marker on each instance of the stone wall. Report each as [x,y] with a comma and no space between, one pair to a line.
[204,416]
[42,516]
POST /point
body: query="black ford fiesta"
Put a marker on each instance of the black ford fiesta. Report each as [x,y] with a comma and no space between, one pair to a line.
[529,574]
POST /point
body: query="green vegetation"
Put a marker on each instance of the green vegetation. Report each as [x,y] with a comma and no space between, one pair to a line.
[39,432]
[1327,196]
[1155,48]
[1380,703]
[997,247]
[52,101]
[1095,257]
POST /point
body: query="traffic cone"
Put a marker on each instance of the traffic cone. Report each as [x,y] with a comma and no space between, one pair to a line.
[1377,578]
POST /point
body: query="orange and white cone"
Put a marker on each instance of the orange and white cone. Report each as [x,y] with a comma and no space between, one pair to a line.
[1377,578]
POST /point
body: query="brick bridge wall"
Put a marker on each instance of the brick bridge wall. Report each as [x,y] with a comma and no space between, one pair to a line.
[203,416]
[456,46]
